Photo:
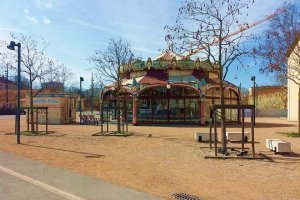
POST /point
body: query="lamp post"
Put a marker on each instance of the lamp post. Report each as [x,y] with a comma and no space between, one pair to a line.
[92,95]
[6,73]
[80,110]
[12,46]
[254,83]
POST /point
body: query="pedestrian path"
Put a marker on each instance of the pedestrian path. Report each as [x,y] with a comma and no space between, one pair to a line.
[22,178]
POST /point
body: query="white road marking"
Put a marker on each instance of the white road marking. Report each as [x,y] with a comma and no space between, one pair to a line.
[40,184]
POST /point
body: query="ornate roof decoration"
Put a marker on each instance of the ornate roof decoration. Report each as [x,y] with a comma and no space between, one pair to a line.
[168,56]
[168,60]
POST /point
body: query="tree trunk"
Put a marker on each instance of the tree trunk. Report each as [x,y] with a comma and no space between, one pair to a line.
[31,106]
[223,120]
[118,108]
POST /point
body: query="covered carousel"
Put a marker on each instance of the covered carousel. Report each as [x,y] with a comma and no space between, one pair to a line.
[170,89]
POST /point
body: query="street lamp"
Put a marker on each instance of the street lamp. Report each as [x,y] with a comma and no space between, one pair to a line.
[12,46]
[92,95]
[254,83]
[6,74]
[80,117]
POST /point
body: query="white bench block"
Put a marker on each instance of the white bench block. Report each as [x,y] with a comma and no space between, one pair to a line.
[269,143]
[204,136]
[278,146]
[237,136]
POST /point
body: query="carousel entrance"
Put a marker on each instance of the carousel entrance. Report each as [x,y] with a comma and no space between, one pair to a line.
[174,105]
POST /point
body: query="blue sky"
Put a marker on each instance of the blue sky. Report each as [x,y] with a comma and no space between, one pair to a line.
[76,28]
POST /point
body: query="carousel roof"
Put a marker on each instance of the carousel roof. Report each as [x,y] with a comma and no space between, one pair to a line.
[168,60]
[168,56]
[144,80]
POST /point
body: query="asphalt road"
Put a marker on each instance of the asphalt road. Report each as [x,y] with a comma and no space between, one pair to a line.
[24,179]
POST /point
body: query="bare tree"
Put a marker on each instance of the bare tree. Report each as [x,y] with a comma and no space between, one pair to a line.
[279,52]
[271,52]
[108,64]
[206,27]
[60,73]
[35,65]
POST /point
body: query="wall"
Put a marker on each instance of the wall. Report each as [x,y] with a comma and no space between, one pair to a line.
[293,90]
[59,108]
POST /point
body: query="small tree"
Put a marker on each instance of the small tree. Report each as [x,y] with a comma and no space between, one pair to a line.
[208,26]
[58,72]
[35,65]
[108,64]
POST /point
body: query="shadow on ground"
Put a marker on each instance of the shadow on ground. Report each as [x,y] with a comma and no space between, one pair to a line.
[260,125]
[291,157]
[87,155]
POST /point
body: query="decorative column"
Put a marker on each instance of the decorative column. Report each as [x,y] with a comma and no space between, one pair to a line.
[134,111]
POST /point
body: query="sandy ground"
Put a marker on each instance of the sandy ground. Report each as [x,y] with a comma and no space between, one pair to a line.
[169,161]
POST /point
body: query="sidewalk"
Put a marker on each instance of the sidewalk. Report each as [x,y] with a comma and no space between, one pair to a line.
[22,178]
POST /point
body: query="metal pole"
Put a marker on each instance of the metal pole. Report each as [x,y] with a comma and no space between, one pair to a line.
[243,128]
[92,95]
[46,120]
[27,119]
[107,119]
[252,132]
[239,103]
[19,94]
[7,85]
[254,103]
[215,130]
[80,116]
[210,131]
[37,120]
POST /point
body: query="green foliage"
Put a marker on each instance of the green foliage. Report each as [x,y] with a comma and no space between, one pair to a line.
[39,133]
[292,134]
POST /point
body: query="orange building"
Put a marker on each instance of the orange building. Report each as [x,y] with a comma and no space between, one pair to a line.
[8,96]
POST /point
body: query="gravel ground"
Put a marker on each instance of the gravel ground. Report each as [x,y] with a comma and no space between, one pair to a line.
[170,161]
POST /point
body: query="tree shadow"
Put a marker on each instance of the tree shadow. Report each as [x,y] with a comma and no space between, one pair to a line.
[87,155]
[291,157]
[39,133]
[260,125]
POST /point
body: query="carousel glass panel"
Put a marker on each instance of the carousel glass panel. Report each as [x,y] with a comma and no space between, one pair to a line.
[160,110]
[192,110]
[128,107]
[178,104]
[176,110]
[144,110]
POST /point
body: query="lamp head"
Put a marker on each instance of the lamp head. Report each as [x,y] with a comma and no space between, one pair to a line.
[81,79]
[168,86]
[12,45]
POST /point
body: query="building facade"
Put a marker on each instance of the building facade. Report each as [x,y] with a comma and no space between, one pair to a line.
[8,92]
[270,101]
[293,81]
[61,108]
[170,89]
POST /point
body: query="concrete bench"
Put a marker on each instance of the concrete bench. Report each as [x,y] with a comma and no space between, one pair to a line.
[278,145]
[237,136]
[204,137]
